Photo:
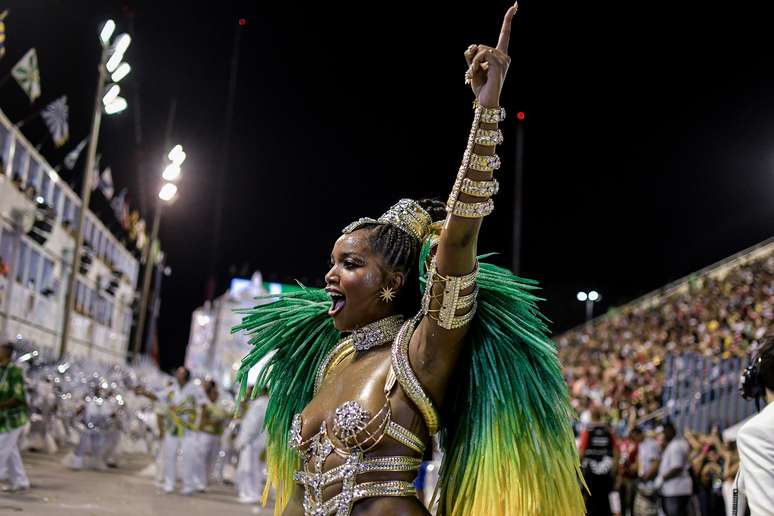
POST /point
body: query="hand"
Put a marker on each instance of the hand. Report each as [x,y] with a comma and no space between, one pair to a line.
[487,66]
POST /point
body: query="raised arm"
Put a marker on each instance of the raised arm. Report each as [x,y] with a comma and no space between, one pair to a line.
[470,200]
[450,301]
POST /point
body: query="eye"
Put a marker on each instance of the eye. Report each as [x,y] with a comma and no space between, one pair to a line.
[350,264]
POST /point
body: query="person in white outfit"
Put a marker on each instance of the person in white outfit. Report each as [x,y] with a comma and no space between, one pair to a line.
[250,443]
[95,420]
[13,417]
[211,425]
[181,401]
[756,438]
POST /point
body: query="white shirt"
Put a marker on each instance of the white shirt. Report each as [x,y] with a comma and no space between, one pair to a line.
[756,471]
[250,428]
[676,454]
[647,453]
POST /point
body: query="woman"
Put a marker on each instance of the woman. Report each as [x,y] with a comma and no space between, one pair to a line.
[469,359]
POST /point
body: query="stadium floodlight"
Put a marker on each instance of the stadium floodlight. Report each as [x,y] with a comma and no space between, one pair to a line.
[593,295]
[118,105]
[122,43]
[582,296]
[176,155]
[121,72]
[171,173]
[107,31]
[167,192]
[111,94]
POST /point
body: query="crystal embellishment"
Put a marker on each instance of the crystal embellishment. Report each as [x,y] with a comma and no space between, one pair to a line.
[480,188]
[474,210]
[376,333]
[406,215]
[350,418]
[484,163]
[489,138]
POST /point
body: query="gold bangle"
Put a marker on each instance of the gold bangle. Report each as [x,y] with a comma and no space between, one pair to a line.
[473,210]
[484,163]
[493,115]
[489,138]
[480,188]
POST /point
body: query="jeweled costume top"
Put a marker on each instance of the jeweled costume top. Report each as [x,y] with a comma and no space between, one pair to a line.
[505,424]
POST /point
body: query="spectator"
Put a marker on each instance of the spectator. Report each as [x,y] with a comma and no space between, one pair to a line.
[599,457]
[756,441]
[628,467]
[673,473]
[648,461]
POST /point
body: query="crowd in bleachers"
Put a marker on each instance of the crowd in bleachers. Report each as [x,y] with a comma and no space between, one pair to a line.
[617,361]
[615,370]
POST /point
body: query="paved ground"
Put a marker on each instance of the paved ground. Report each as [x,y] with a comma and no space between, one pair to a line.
[57,491]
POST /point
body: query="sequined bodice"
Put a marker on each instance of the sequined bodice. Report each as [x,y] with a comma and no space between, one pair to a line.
[352,433]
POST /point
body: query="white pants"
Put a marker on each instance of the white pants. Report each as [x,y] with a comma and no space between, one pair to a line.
[90,450]
[209,448]
[185,445]
[250,473]
[11,467]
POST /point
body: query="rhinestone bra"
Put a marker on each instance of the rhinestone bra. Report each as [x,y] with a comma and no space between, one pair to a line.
[354,432]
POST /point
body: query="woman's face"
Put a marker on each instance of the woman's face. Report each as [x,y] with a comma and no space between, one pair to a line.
[355,280]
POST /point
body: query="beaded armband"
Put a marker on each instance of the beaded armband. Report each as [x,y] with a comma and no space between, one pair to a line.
[451,299]
[473,210]
[493,115]
[473,161]
[489,137]
[480,188]
[484,163]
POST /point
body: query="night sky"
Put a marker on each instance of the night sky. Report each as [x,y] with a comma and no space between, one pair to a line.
[649,134]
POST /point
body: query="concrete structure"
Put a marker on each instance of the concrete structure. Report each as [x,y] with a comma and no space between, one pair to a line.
[34,275]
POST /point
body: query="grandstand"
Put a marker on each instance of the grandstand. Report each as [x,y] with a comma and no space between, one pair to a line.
[676,352]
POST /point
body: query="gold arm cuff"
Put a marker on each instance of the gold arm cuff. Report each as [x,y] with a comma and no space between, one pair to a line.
[452,301]
[489,138]
[480,188]
[484,163]
[473,210]
[493,115]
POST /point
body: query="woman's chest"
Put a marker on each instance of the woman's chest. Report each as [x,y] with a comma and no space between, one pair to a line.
[353,389]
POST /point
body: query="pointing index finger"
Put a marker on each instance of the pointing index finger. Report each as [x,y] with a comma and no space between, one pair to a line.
[505,32]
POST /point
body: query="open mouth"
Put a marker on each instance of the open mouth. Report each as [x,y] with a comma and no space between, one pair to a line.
[338,300]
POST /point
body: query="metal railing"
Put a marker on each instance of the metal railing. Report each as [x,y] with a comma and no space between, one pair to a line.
[702,392]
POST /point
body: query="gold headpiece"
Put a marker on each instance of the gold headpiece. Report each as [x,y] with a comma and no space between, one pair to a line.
[406,215]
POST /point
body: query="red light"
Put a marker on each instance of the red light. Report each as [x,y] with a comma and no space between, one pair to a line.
[520,115]
[242,22]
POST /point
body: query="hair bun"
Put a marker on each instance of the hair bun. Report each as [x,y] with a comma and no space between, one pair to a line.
[434,207]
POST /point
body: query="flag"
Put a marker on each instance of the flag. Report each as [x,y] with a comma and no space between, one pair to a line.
[2,32]
[94,176]
[55,116]
[142,239]
[27,75]
[106,183]
[72,157]
[121,209]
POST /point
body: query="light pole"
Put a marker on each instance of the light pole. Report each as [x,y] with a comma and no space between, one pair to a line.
[589,298]
[168,195]
[110,63]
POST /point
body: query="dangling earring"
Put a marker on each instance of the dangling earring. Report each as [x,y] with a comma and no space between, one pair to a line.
[387,294]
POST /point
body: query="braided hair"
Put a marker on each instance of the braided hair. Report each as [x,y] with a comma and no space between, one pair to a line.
[400,252]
